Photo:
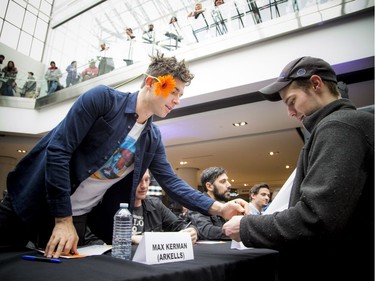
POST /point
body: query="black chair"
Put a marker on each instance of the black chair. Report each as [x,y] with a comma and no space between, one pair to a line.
[199,24]
[254,11]
[219,23]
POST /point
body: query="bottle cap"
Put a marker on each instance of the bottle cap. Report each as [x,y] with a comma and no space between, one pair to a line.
[124,205]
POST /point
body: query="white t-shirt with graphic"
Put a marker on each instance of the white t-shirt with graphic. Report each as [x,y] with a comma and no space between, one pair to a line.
[120,164]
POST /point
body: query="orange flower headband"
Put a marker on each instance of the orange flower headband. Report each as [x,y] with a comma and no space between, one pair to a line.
[164,85]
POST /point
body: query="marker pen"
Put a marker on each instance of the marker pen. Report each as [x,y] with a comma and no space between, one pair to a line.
[188,225]
[42,259]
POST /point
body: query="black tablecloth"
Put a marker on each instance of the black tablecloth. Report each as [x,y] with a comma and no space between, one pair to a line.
[211,262]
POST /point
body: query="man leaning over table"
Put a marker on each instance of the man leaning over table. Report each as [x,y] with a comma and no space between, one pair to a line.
[106,138]
[327,232]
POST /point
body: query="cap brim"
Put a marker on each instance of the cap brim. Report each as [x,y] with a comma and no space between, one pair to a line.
[271,92]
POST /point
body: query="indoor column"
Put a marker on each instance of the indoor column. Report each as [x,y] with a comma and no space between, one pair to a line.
[190,175]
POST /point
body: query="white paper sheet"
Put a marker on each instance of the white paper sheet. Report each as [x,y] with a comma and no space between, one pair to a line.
[281,201]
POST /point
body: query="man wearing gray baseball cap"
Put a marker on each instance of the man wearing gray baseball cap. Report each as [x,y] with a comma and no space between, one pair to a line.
[327,231]
[300,68]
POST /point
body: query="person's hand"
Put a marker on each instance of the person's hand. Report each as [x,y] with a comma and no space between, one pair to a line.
[230,209]
[136,239]
[244,204]
[232,228]
[193,233]
[63,240]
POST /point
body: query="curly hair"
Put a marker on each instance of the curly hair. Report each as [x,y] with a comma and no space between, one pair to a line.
[161,66]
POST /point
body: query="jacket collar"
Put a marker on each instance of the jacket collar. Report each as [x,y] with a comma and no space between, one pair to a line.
[147,204]
[310,122]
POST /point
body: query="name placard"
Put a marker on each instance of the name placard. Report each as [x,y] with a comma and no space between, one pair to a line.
[163,247]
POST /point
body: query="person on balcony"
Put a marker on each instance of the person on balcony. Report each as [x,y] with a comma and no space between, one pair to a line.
[29,88]
[53,76]
[90,72]
[9,75]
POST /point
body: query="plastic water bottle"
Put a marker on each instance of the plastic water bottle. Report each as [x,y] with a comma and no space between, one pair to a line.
[122,233]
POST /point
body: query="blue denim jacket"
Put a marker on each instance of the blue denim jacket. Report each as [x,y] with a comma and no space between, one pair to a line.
[80,144]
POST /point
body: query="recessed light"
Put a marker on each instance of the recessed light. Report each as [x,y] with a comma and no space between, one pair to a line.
[273,153]
[183,163]
[21,151]
[240,124]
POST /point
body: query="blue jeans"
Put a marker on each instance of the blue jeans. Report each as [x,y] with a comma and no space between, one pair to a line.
[52,86]
[7,88]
